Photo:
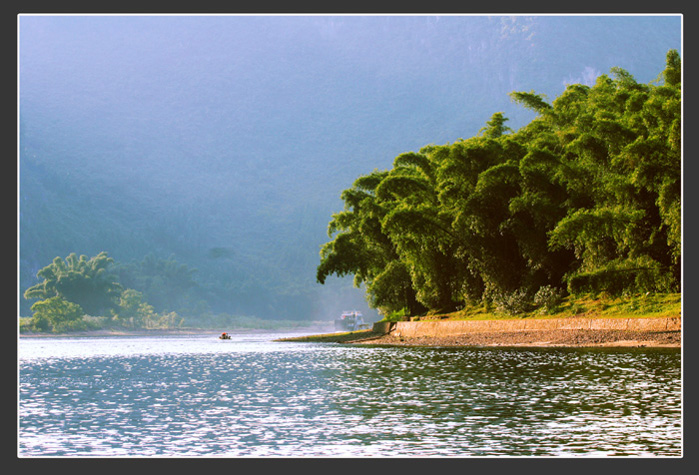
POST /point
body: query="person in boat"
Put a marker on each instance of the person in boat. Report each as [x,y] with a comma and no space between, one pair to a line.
[224,336]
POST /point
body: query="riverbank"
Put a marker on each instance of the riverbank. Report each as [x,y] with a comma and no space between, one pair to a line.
[539,338]
[588,332]
[648,320]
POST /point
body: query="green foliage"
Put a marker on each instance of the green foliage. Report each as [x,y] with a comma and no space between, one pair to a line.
[84,281]
[597,235]
[56,314]
[673,70]
[495,127]
[132,311]
[168,320]
[548,298]
[623,277]
[164,283]
[513,303]
[361,246]
[587,196]
[531,101]
[396,315]
[71,286]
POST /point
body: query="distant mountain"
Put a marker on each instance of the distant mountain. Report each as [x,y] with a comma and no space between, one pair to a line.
[225,141]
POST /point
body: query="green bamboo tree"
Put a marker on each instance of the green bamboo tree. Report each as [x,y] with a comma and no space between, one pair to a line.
[86,282]
[586,197]
[360,247]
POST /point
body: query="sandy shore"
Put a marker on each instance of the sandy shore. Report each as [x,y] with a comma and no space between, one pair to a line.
[526,338]
[535,338]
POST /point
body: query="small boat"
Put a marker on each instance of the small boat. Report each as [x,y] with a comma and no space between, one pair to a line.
[350,320]
[224,336]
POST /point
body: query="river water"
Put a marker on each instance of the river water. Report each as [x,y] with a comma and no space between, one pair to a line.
[198,396]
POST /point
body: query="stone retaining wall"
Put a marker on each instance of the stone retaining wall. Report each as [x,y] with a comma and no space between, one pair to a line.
[456,327]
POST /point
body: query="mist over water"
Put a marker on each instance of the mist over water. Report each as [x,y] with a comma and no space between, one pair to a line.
[198,396]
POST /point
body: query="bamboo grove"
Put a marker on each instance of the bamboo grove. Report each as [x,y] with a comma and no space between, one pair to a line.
[586,198]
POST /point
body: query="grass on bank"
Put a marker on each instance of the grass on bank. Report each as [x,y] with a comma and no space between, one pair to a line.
[592,306]
[340,337]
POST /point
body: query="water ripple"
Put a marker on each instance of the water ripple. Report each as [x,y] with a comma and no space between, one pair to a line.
[195,397]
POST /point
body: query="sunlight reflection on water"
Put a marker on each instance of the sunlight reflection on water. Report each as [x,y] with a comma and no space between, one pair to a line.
[199,396]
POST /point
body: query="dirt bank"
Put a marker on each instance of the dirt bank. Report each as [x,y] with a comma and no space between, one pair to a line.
[552,338]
